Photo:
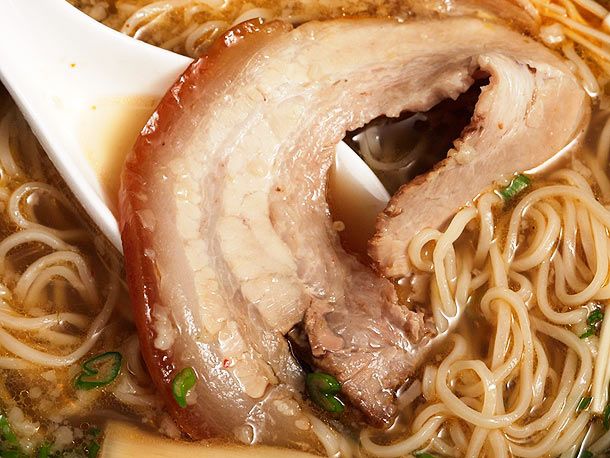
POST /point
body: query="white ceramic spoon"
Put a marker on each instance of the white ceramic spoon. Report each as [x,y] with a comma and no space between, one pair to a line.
[87,90]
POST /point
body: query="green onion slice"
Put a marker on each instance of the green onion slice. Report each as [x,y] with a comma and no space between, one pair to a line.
[423,455]
[92,449]
[9,444]
[588,333]
[99,371]
[44,451]
[518,184]
[595,317]
[584,403]
[606,417]
[7,435]
[323,389]
[13,453]
[182,384]
[586,454]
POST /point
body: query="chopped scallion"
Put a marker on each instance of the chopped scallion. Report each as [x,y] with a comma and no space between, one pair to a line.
[13,453]
[323,389]
[588,333]
[585,454]
[99,371]
[9,444]
[516,186]
[182,384]
[595,317]
[584,403]
[593,320]
[423,455]
[606,417]
[44,451]
[92,449]
[7,436]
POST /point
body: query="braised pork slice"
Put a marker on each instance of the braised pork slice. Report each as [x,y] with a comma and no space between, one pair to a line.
[531,109]
[227,234]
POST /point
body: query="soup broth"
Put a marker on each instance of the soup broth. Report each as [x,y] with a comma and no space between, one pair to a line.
[516,284]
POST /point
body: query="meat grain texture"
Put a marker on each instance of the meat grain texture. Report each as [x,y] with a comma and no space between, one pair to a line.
[227,234]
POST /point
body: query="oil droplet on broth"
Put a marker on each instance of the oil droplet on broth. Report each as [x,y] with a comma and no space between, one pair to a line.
[108,129]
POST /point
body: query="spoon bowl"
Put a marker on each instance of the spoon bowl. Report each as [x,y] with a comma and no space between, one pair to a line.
[60,64]
[87,91]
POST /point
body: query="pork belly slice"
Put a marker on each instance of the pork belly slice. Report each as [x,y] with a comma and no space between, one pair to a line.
[532,108]
[190,305]
[227,234]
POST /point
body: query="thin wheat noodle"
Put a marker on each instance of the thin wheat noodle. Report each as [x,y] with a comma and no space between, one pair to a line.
[443,245]
[17,217]
[253,13]
[486,226]
[35,356]
[557,406]
[28,236]
[545,238]
[550,314]
[415,249]
[414,442]
[428,389]
[569,245]
[87,285]
[326,435]
[601,273]
[22,323]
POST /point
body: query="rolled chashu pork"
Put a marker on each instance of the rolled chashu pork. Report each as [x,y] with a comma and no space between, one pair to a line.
[228,238]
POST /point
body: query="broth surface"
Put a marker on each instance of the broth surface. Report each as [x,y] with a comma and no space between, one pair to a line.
[80,280]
